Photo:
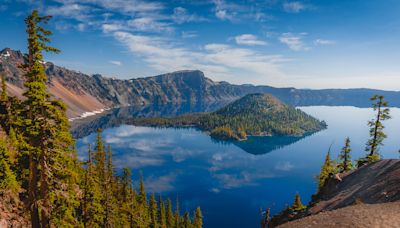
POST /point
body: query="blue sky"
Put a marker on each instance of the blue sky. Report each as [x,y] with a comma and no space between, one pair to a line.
[300,43]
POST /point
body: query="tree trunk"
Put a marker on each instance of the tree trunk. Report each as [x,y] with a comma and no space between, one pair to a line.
[32,190]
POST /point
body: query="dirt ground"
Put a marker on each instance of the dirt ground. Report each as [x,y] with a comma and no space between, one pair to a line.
[385,215]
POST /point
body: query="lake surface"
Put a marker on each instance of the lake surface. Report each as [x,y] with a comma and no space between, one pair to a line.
[232,181]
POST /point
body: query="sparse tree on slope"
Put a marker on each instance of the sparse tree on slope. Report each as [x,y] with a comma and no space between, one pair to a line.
[326,170]
[376,130]
[345,164]
[297,204]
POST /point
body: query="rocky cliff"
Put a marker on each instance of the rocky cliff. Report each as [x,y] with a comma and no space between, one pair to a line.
[84,93]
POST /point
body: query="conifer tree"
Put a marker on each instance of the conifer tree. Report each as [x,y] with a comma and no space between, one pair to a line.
[4,105]
[170,214]
[177,214]
[110,202]
[153,211]
[144,220]
[4,96]
[48,139]
[326,170]
[162,218]
[376,130]
[198,219]
[8,181]
[186,220]
[93,211]
[297,204]
[345,164]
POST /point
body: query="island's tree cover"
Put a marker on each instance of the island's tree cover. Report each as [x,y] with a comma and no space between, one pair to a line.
[254,114]
[39,166]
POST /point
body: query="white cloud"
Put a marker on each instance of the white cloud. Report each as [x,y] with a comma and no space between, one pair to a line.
[295,7]
[181,15]
[249,39]
[189,34]
[294,41]
[74,10]
[117,63]
[214,59]
[324,42]
[149,24]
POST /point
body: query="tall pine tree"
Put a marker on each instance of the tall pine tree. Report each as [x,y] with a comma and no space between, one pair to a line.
[376,130]
[52,165]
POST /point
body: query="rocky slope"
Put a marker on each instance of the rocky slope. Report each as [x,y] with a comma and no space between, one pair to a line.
[384,215]
[84,93]
[376,183]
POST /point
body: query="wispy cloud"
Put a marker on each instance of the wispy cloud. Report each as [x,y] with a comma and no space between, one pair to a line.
[214,59]
[324,42]
[117,63]
[235,12]
[149,24]
[295,7]
[189,34]
[294,41]
[249,39]
[181,15]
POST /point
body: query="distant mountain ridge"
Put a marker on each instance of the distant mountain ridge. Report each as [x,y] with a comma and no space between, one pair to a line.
[84,93]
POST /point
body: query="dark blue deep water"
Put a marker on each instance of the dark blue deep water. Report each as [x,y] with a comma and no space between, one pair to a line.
[232,181]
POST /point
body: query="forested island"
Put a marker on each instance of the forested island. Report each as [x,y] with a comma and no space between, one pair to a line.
[252,115]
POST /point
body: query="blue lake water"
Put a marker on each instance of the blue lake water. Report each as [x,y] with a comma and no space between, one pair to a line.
[232,181]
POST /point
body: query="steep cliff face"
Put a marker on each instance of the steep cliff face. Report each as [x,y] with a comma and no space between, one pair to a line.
[84,93]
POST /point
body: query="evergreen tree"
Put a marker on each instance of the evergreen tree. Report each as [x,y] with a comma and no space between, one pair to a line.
[198,219]
[376,130]
[297,204]
[8,181]
[345,164]
[52,164]
[186,221]
[153,212]
[144,220]
[170,214]
[326,170]
[93,212]
[4,96]
[110,202]
[162,218]
[177,216]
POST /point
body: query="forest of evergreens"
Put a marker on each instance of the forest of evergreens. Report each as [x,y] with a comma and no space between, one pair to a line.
[39,166]
[254,114]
